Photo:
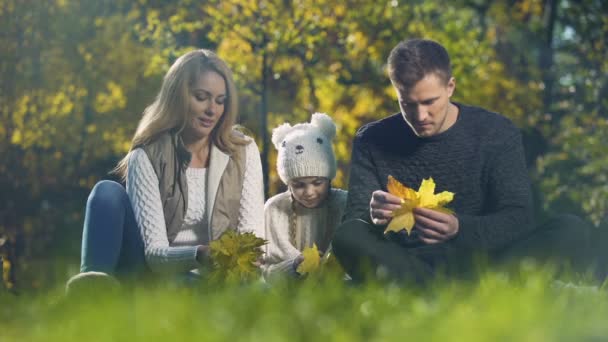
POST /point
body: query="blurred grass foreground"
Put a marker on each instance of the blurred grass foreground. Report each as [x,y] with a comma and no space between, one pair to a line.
[524,306]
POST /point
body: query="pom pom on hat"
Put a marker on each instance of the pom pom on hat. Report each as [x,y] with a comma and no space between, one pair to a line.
[279,133]
[325,124]
[305,149]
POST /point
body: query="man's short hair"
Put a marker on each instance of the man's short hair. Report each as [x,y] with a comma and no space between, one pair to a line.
[412,60]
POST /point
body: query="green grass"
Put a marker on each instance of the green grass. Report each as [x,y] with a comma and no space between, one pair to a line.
[523,306]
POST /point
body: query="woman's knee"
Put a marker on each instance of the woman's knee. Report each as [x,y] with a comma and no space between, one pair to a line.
[108,193]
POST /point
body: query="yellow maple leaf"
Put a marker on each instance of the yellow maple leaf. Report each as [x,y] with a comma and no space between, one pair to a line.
[311,260]
[425,197]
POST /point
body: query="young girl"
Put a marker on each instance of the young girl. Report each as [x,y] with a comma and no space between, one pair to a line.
[190,176]
[309,211]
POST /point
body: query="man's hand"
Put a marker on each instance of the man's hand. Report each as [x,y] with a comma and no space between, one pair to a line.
[434,226]
[382,205]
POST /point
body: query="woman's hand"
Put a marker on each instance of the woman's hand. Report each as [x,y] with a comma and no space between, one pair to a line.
[259,262]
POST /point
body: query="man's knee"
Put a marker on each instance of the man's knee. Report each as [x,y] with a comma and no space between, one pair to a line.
[348,233]
[570,228]
[566,222]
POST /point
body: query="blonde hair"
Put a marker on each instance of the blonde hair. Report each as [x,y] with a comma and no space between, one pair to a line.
[170,110]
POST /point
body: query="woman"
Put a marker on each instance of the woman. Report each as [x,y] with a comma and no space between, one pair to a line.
[190,176]
[310,209]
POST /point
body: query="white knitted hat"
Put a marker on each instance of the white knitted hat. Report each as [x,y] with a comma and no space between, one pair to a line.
[305,149]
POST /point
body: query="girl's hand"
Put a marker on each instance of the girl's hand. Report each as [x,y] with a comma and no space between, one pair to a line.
[297,261]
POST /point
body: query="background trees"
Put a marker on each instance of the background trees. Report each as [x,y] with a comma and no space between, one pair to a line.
[76,76]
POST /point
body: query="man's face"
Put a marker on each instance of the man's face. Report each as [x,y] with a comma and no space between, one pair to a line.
[426,106]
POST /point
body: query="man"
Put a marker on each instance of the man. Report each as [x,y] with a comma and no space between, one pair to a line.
[476,154]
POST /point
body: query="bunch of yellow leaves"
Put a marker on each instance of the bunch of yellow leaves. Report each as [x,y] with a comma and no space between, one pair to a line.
[233,257]
[425,197]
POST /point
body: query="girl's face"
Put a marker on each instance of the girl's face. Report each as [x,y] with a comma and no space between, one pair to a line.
[207,102]
[309,191]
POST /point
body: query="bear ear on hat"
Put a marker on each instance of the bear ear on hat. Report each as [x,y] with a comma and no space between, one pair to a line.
[279,133]
[325,124]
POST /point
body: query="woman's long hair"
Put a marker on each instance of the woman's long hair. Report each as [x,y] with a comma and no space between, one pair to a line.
[171,110]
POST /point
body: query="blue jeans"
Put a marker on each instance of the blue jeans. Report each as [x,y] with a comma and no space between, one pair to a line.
[111,241]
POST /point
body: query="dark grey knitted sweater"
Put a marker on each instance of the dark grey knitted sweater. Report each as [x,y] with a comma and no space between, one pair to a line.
[480,159]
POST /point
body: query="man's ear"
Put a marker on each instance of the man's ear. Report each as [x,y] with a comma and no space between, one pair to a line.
[451,86]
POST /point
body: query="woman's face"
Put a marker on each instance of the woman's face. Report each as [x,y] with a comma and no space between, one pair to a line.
[309,191]
[207,101]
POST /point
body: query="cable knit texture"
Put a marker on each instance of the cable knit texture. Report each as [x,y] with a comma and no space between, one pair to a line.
[480,159]
[195,229]
[180,255]
[312,226]
[251,218]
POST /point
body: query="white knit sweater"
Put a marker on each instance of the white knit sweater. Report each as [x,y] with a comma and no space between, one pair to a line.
[311,227]
[180,255]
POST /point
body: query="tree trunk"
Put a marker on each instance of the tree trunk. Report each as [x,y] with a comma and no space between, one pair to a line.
[547,54]
[264,120]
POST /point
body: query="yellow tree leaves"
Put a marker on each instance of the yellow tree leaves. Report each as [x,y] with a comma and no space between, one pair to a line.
[6,271]
[5,265]
[425,197]
[113,98]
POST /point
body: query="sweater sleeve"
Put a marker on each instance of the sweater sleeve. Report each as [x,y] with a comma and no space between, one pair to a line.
[281,268]
[510,213]
[144,194]
[279,252]
[363,182]
[251,218]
